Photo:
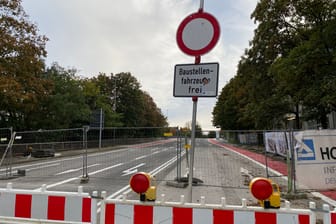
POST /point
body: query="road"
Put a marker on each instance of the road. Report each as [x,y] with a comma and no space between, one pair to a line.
[222,171]
[107,170]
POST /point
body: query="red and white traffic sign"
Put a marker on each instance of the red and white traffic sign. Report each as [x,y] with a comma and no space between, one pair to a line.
[198,33]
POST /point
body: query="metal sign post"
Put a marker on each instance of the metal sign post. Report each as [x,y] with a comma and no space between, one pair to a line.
[197,34]
[201,5]
[192,149]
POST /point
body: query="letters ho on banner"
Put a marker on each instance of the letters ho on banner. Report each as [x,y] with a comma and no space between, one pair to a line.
[196,80]
[315,159]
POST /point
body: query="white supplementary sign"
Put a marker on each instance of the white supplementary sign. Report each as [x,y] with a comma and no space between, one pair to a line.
[315,158]
[196,80]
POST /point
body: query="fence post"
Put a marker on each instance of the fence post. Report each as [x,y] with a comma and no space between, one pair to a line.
[178,152]
[85,176]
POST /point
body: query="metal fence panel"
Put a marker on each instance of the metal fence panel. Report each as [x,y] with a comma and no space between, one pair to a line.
[114,148]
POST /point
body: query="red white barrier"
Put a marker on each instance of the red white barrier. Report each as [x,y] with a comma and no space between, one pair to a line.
[329,216]
[135,212]
[48,205]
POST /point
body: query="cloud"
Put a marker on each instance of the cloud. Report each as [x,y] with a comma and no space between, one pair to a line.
[138,36]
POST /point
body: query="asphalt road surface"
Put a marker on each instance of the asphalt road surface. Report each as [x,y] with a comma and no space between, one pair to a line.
[222,172]
[107,170]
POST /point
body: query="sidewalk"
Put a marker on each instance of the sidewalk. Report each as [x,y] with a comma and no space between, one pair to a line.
[233,196]
[275,165]
[209,189]
[221,179]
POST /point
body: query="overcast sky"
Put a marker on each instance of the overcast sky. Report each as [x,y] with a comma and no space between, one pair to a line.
[139,36]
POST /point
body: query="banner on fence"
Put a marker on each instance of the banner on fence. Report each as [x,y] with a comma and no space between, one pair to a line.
[275,142]
[315,159]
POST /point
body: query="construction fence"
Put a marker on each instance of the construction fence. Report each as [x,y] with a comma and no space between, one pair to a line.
[215,167]
[307,158]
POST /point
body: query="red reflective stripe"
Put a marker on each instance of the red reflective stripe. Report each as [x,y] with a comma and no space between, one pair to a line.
[109,213]
[56,207]
[333,218]
[86,210]
[304,219]
[223,217]
[23,205]
[182,215]
[143,214]
[265,217]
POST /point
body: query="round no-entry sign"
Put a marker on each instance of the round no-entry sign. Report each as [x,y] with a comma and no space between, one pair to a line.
[198,33]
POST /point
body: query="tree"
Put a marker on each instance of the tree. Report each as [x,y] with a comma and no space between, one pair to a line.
[188,128]
[225,114]
[129,100]
[152,114]
[274,37]
[135,108]
[98,93]
[66,105]
[306,73]
[290,65]
[21,66]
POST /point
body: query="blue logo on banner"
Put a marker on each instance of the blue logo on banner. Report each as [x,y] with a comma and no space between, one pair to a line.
[307,150]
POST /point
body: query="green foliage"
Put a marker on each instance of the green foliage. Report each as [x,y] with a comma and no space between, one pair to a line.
[72,101]
[132,106]
[21,64]
[226,108]
[212,134]
[66,106]
[289,68]
[187,129]
[99,94]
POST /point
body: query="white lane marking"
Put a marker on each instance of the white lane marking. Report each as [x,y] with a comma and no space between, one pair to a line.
[68,171]
[125,190]
[141,157]
[67,159]
[107,168]
[118,192]
[75,170]
[157,170]
[165,165]
[58,183]
[40,167]
[33,165]
[75,157]
[76,178]
[132,169]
